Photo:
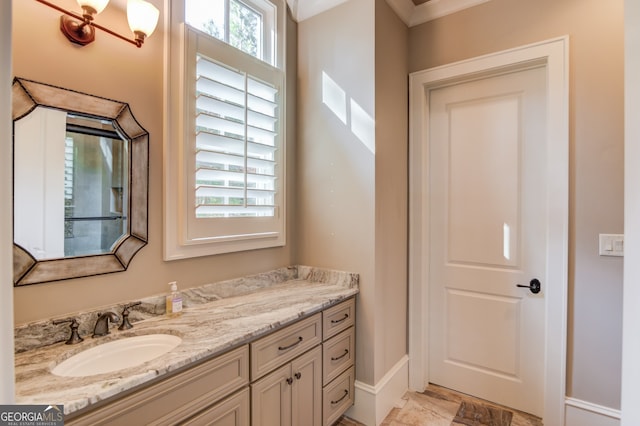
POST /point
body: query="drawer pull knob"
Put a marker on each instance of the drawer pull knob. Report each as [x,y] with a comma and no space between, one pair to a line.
[298,375]
[338,321]
[289,380]
[346,392]
[336,358]
[294,344]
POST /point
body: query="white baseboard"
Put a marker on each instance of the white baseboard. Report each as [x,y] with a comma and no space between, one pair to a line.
[373,403]
[582,413]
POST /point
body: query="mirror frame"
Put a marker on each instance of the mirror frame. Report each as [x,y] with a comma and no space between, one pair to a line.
[27,95]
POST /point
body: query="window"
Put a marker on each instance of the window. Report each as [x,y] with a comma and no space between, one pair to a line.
[224,155]
[245,25]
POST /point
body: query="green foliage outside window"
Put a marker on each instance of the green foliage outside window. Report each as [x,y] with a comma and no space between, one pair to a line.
[244,28]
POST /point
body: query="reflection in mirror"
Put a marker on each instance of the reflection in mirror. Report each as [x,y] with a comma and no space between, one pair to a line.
[80,184]
[71,186]
[96,187]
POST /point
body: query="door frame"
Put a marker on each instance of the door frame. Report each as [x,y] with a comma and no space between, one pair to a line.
[554,56]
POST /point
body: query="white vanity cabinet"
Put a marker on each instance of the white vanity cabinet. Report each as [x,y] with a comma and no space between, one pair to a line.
[311,389]
[338,360]
[299,375]
[291,395]
[206,389]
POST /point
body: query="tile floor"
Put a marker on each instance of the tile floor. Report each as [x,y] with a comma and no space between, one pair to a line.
[438,406]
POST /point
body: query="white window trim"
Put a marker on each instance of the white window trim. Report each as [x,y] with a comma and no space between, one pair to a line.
[175,186]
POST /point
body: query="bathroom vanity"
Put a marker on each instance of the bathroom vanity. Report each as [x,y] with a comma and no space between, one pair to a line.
[281,353]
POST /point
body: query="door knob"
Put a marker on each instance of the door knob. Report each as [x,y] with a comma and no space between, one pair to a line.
[534,286]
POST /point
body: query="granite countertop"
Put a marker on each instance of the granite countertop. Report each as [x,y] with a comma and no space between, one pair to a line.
[206,328]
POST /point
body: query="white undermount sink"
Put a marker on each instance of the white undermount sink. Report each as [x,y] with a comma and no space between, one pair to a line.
[117,355]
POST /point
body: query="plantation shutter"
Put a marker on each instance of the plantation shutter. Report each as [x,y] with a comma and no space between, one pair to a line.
[225,151]
[236,143]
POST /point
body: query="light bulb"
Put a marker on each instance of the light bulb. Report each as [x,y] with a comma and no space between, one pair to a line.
[96,5]
[142,17]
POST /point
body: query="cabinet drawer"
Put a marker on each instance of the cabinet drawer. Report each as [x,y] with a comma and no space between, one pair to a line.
[282,346]
[337,397]
[231,411]
[337,354]
[174,399]
[338,318]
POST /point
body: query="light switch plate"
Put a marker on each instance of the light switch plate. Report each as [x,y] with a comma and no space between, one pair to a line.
[611,245]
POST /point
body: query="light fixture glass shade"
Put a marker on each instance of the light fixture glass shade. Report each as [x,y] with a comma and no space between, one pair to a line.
[142,16]
[97,5]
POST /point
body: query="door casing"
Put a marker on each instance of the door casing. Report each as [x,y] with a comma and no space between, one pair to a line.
[554,56]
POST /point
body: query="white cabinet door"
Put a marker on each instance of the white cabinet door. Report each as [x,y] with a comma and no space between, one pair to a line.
[307,389]
[271,399]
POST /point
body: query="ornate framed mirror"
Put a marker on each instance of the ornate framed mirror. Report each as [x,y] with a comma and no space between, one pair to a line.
[81,172]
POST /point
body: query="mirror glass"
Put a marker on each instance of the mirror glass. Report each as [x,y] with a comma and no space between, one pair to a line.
[80,184]
[70,186]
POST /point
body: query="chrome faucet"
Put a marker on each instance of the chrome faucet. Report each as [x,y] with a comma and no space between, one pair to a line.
[102,323]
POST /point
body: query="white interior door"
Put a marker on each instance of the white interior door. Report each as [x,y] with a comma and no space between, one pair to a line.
[488,230]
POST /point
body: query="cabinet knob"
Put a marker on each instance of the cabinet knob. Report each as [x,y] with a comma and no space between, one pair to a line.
[298,375]
[289,380]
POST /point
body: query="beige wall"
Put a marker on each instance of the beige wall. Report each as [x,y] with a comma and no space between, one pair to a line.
[631,327]
[391,182]
[596,155]
[355,218]
[112,68]
[336,170]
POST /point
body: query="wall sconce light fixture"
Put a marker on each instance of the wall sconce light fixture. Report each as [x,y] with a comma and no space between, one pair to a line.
[80,29]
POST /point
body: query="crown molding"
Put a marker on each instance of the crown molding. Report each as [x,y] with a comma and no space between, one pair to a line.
[407,11]
[413,15]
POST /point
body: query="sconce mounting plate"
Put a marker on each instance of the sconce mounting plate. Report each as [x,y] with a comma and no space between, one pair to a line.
[78,32]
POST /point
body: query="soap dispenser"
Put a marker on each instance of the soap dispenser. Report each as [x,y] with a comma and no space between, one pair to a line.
[174,301]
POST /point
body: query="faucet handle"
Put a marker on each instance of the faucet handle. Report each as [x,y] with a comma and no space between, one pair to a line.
[125,316]
[75,336]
